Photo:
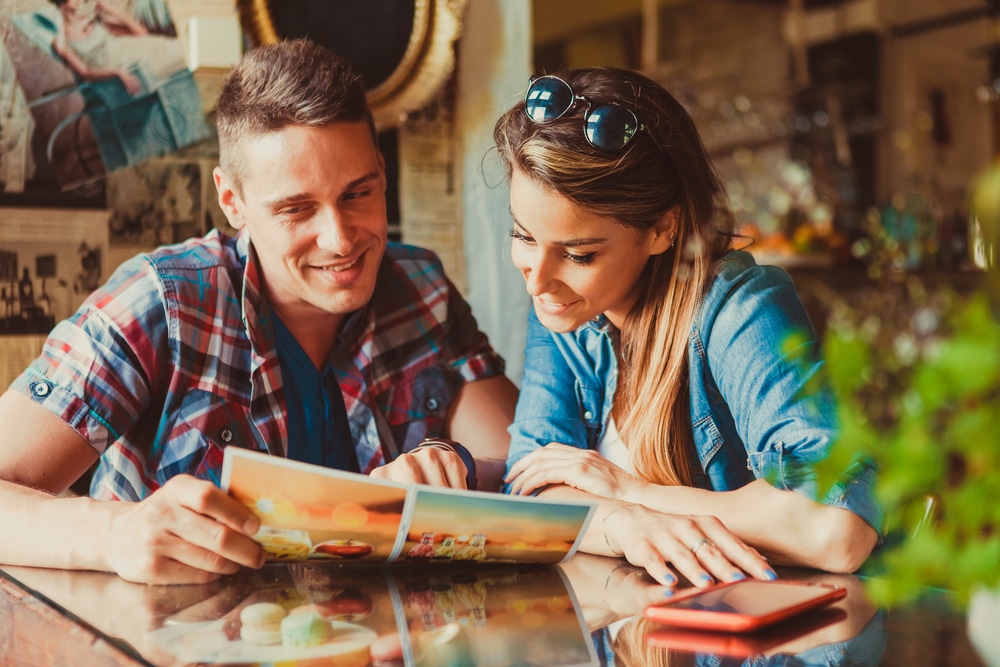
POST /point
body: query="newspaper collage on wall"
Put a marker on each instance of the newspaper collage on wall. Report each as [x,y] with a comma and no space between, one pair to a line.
[102,150]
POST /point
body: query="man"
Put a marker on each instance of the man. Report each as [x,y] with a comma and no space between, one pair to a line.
[308,336]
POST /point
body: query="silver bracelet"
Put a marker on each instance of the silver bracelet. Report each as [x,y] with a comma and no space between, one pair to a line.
[604,530]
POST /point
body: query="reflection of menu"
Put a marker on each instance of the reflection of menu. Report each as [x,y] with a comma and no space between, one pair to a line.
[311,512]
[403,616]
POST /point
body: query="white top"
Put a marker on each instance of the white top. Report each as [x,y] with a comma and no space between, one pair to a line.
[613,448]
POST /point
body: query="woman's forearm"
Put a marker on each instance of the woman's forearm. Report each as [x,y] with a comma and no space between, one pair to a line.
[786,527]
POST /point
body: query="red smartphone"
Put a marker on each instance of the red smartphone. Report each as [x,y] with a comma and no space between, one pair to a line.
[742,606]
[744,644]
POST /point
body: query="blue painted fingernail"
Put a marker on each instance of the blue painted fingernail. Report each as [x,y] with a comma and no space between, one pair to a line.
[669,593]
[739,576]
[770,574]
[706,577]
[670,579]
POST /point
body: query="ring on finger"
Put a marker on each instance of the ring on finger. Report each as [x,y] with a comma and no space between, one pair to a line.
[701,543]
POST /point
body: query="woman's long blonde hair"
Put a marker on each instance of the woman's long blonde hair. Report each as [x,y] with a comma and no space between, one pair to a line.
[664,167]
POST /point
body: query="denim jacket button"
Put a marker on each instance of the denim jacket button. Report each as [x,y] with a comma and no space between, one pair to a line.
[588,415]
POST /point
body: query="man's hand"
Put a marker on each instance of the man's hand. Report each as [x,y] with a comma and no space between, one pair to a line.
[188,531]
[426,465]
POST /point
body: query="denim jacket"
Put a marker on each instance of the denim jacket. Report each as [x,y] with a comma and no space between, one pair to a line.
[752,350]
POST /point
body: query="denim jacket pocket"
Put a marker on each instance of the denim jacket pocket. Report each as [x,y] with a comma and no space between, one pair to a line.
[708,439]
[591,411]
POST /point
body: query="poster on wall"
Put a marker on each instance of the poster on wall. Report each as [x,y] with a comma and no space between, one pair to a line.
[163,201]
[50,261]
[88,88]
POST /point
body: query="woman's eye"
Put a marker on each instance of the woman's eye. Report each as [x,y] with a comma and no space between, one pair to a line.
[581,259]
[518,236]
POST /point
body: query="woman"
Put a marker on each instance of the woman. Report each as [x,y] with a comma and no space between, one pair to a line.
[98,41]
[647,324]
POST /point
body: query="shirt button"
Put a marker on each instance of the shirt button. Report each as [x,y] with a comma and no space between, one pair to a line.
[41,389]
[226,435]
[432,403]
[588,415]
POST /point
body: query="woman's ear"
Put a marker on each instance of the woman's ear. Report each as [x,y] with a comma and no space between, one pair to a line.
[665,231]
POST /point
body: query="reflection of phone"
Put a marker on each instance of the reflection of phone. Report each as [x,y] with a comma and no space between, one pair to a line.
[741,606]
[744,645]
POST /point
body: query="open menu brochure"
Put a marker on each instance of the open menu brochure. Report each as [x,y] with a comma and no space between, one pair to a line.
[311,512]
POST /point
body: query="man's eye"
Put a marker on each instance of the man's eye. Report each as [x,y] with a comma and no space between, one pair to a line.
[357,194]
[291,211]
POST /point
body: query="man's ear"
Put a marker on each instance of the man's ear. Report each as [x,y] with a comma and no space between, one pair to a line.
[228,198]
[665,231]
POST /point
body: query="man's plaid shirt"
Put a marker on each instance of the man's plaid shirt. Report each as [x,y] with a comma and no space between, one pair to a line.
[174,359]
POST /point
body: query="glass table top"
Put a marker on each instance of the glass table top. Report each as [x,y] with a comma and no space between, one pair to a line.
[587,611]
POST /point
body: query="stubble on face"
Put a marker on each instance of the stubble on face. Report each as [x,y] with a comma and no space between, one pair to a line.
[313,203]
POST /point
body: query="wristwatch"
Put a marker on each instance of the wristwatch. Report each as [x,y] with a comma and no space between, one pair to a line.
[470,462]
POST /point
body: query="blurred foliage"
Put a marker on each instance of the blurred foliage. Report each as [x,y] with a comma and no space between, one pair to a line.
[916,370]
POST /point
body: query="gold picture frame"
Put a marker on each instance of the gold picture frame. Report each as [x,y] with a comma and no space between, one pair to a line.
[426,64]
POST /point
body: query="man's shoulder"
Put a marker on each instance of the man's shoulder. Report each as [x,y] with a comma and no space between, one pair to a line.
[210,252]
[409,272]
[413,260]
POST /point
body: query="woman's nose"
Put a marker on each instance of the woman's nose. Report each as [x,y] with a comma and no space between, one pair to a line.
[539,276]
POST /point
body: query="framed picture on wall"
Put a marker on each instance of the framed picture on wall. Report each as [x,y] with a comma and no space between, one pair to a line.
[50,261]
[415,56]
[88,88]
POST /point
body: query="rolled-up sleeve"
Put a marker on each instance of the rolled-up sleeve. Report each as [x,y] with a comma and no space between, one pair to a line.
[765,359]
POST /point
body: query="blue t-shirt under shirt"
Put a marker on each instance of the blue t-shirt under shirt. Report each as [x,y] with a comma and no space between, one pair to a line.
[318,431]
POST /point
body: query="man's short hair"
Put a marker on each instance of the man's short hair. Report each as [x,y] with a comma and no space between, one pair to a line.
[291,82]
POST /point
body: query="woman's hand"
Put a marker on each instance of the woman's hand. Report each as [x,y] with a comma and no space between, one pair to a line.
[699,548]
[583,469]
[130,81]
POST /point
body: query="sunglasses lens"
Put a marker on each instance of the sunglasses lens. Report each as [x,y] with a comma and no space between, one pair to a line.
[610,126]
[547,98]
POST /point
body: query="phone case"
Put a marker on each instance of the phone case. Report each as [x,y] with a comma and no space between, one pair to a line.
[742,606]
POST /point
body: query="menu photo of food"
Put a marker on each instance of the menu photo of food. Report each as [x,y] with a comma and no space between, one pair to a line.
[311,512]
[446,525]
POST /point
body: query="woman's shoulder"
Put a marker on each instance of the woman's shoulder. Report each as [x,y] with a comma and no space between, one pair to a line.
[741,284]
[738,271]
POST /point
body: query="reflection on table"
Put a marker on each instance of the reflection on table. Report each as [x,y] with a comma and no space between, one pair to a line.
[587,611]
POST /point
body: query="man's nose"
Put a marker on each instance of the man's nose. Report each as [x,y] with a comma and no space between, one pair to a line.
[334,231]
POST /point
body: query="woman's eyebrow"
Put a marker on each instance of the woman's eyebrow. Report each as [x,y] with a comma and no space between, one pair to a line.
[572,243]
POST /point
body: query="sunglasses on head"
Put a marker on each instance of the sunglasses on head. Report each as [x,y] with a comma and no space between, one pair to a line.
[606,126]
